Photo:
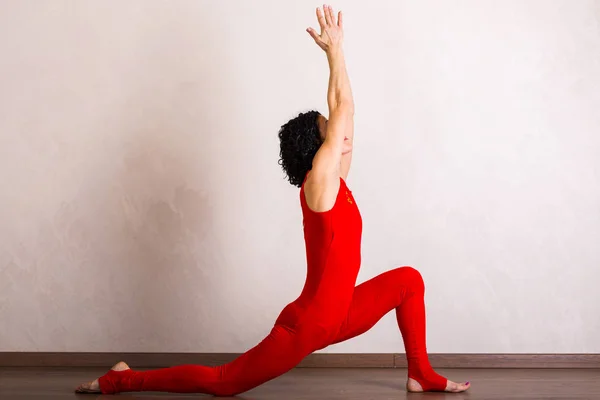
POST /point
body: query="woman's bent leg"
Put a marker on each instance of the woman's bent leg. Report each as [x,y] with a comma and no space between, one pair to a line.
[401,289]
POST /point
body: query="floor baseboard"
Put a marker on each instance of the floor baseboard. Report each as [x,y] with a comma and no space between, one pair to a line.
[317,360]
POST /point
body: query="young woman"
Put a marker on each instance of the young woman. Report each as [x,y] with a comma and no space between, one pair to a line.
[315,154]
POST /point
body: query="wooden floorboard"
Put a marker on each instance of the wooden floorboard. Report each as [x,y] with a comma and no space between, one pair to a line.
[331,383]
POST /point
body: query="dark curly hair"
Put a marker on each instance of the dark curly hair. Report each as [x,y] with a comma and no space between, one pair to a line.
[299,141]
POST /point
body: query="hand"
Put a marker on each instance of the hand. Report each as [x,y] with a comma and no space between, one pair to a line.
[332,32]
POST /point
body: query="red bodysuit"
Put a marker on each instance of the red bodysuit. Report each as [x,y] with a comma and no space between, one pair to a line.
[329,310]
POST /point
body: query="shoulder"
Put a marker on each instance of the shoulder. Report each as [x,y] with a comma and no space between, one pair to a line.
[321,190]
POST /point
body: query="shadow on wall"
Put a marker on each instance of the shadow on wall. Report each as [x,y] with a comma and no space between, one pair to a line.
[159,210]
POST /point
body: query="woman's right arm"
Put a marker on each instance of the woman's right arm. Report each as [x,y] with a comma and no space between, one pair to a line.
[326,164]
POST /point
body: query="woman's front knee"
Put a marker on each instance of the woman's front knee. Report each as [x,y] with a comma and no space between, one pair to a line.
[410,275]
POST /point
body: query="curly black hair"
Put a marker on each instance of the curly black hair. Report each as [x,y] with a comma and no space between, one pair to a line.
[299,141]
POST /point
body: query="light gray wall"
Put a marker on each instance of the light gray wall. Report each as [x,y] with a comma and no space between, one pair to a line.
[143,209]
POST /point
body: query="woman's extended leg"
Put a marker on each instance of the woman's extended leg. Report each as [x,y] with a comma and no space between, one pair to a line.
[279,352]
[401,289]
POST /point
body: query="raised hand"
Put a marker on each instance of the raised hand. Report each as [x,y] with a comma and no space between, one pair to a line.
[332,32]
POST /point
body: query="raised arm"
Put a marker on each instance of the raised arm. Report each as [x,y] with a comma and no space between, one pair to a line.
[334,156]
[345,102]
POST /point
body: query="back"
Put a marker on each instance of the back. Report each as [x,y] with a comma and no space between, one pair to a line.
[333,241]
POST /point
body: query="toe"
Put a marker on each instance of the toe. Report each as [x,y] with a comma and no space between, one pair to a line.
[87,387]
[461,387]
[81,388]
[454,387]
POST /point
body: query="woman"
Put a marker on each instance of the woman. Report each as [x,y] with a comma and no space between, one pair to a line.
[315,154]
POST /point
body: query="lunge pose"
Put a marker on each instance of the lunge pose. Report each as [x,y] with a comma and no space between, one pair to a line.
[315,155]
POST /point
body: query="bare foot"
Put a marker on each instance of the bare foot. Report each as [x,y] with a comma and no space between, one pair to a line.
[452,387]
[94,386]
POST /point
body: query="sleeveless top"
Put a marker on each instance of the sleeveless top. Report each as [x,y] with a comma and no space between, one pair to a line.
[333,251]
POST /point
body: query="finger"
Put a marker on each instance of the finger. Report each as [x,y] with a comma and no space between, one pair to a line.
[332,16]
[314,34]
[317,39]
[340,22]
[321,19]
[327,12]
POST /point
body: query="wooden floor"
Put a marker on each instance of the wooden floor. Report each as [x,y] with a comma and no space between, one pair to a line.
[323,384]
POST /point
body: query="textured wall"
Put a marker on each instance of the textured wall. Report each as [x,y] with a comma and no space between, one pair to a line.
[143,209]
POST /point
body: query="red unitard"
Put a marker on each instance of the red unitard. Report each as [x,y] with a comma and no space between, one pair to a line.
[329,310]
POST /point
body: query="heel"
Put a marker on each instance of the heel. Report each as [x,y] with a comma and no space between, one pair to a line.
[433,383]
